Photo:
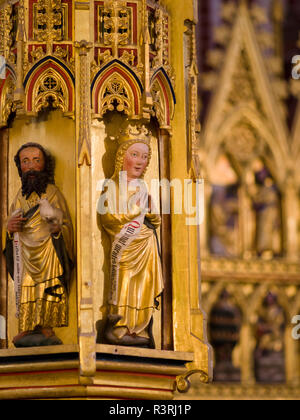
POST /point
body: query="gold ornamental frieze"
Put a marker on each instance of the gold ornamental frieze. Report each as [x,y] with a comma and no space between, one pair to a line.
[251,270]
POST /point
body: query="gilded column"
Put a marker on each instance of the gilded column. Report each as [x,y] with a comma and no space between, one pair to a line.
[19,94]
[87,341]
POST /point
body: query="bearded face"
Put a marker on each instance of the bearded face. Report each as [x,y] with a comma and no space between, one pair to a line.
[35,169]
[34,181]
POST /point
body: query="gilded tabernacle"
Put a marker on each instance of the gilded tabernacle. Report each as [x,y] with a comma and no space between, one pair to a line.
[119,314]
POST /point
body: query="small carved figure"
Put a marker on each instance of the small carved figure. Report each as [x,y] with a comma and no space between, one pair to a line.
[224,220]
[135,275]
[39,249]
[269,352]
[266,203]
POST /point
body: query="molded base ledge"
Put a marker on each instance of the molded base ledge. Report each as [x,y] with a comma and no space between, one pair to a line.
[121,373]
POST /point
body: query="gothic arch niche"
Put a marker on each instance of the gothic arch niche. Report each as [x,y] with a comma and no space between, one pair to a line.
[116,100]
[49,92]
[257,188]
[55,132]
[247,135]
[49,84]
[105,133]
[225,321]
[269,332]
[116,87]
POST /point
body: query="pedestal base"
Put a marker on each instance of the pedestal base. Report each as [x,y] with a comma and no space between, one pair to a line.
[121,373]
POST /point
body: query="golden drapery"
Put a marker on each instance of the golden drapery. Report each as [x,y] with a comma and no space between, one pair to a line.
[44,296]
[140,275]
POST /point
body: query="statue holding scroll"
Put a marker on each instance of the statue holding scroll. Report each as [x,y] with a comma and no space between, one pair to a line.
[39,249]
[135,267]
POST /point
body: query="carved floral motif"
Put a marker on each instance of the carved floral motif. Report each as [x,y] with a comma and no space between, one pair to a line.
[49,22]
[50,92]
[116,97]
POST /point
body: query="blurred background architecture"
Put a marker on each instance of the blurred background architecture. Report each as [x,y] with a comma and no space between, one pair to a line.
[249,143]
[76,72]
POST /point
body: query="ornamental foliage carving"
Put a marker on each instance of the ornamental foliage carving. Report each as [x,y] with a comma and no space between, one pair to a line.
[116,97]
[50,92]
[49,21]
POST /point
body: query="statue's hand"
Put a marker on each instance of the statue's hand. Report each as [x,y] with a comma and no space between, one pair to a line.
[49,213]
[16,223]
[54,228]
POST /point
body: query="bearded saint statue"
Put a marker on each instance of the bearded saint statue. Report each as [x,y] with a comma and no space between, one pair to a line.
[39,249]
[135,268]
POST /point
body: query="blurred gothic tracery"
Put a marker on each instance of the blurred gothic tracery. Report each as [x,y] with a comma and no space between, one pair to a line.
[250,153]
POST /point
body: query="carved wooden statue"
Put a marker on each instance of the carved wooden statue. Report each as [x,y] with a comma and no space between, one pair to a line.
[39,249]
[135,275]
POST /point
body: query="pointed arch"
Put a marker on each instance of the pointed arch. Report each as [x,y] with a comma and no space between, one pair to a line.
[116,86]
[60,85]
[164,99]
[246,114]
[266,115]
[258,297]
[213,295]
